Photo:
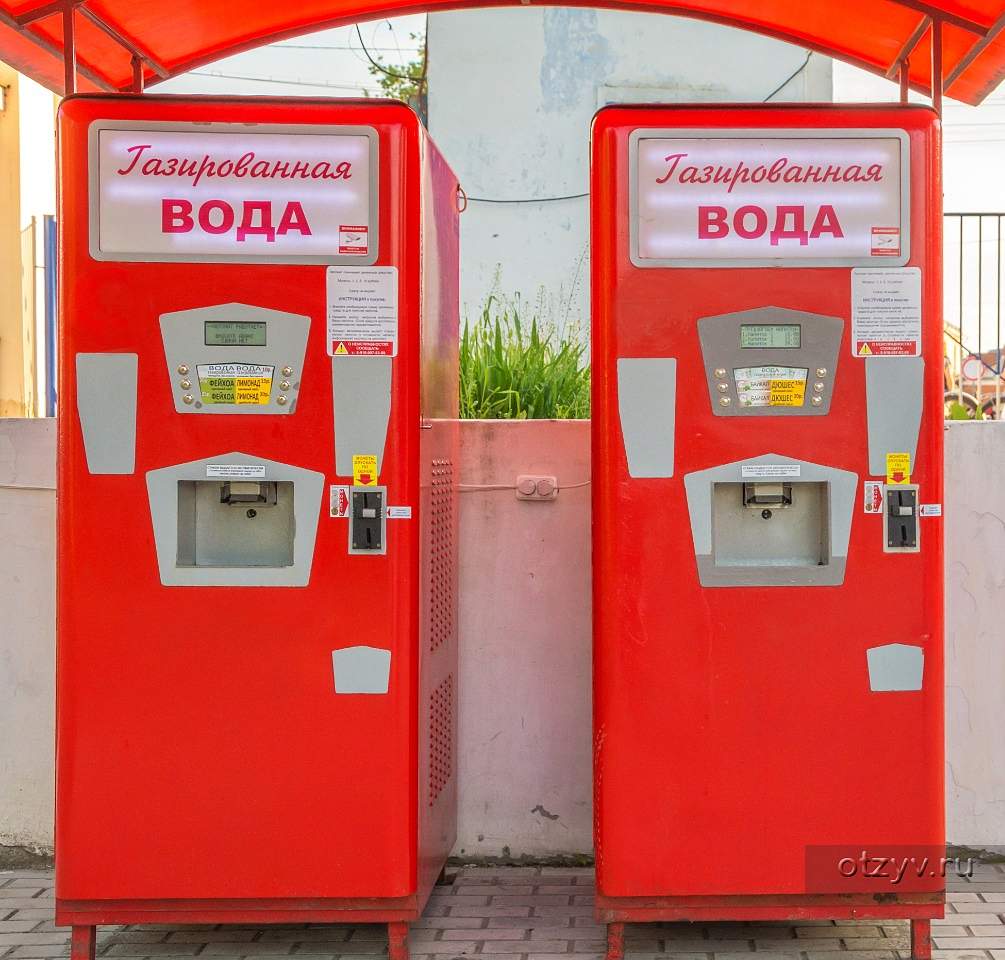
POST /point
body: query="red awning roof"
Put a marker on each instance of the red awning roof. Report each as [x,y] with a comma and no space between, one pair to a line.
[172,36]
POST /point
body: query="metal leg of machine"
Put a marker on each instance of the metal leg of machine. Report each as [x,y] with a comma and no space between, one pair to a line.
[397,941]
[921,940]
[615,941]
[82,940]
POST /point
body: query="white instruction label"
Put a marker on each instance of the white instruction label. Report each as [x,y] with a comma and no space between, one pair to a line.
[886,312]
[338,500]
[362,311]
[236,471]
[399,513]
[930,510]
[872,497]
[769,471]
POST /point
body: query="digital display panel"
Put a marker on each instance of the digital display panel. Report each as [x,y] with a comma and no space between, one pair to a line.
[770,336]
[235,333]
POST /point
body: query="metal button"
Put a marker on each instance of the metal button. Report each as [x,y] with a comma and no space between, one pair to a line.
[816,401]
[723,387]
[188,398]
[182,369]
[285,385]
[287,371]
[281,401]
[186,384]
[723,401]
[818,387]
[821,371]
[720,372]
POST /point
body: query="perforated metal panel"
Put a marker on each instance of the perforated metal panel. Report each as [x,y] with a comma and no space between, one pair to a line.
[441,737]
[441,545]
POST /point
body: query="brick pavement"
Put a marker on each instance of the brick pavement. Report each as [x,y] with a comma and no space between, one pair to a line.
[516,913]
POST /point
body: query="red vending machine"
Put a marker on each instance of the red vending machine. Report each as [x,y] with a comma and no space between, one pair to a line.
[257,649]
[767,450]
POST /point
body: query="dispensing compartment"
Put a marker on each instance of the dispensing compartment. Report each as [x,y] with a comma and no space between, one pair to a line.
[770,524]
[235,523]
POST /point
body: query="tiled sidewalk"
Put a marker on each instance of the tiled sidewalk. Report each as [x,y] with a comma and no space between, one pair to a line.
[517,913]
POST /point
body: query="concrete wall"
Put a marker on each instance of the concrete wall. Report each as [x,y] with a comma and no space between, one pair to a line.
[512,93]
[524,729]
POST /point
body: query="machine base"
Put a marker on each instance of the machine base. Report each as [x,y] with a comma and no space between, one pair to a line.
[920,909]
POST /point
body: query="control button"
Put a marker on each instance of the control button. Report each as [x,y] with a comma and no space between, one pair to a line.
[818,387]
[722,387]
[185,384]
[816,401]
[821,371]
[724,401]
[182,369]
[287,371]
[285,385]
[281,401]
[188,398]
[720,372]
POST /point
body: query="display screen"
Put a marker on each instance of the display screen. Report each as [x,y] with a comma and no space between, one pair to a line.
[235,333]
[770,335]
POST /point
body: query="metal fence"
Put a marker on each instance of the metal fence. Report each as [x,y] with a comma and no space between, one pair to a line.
[972,314]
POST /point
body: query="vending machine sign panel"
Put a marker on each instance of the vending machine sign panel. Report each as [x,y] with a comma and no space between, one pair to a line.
[769,198]
[229,193]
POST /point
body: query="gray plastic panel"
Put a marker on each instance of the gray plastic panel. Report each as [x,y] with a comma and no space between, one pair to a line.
[820,342]
[162,490]
[361,394]
[361,669]
[647,403]
[106,405]
[183,333]
[894,394]
[842,486]
[895,666]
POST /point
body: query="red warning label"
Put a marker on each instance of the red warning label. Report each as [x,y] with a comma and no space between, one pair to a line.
[362,348]
[885,242]
[353,238]
[886,348]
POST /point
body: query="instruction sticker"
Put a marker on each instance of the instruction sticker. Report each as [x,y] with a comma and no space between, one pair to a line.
[898,468]
[364,470]
[872,497]
[769,471]
[235,382]
[399,513]
[338,500]
[930,510]
[362,311]
[886,312]
[770,386]
[236,471]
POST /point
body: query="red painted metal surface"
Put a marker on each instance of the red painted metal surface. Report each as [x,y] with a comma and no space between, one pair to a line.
[735,729]
[205,767]
[877,35]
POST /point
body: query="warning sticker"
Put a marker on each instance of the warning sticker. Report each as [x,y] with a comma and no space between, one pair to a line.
[769,471]
[364,470]
[770,386]
[362,311]
[930,510]
[235,382]
[898,468]
[236,471]
[872,498]
[338,501]
[886,312]
[353,238]
[885,242]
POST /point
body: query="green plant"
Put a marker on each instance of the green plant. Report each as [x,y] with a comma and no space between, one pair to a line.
[510,373]
[957,411]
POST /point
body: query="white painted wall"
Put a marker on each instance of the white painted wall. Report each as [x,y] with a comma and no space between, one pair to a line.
[512,93]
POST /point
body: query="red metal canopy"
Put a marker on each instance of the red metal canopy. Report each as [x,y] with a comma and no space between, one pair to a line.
[116,40]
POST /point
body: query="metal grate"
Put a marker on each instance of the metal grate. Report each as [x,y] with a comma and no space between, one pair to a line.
[441,737]
[441,562]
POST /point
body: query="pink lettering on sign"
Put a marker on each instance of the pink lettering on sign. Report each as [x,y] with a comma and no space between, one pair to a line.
[217,217]
[751,222]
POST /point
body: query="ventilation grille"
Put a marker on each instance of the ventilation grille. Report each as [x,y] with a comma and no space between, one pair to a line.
[441,737]
[441,559]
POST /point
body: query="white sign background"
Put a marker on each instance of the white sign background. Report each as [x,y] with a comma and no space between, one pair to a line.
[126,208]
[665,229]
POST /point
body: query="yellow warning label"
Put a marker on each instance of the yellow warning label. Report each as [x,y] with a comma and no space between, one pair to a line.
[898,468]
[865,350]
[340,350]
[254,390]
[364,470]
[786,393]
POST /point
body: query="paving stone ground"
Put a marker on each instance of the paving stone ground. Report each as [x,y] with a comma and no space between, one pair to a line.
[516,913]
